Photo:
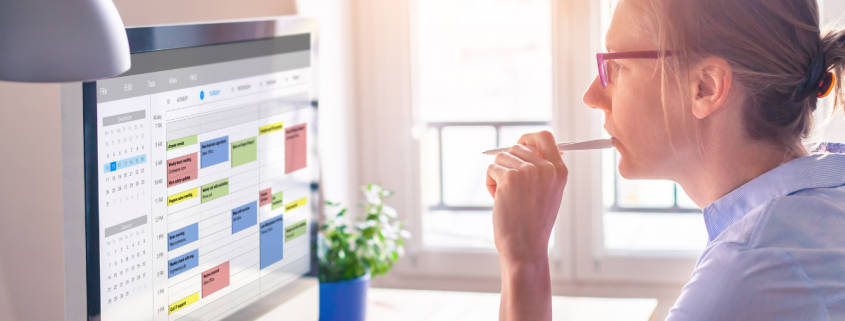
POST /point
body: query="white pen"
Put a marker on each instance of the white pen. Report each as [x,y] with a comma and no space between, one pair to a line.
[590,144]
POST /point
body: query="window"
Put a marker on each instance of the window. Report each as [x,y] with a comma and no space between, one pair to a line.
[483,79]
[647,230]
[446,80]
[830,125]
[646,215]
[634,230]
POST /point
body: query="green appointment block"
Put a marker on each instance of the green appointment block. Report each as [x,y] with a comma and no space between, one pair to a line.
[181,142]
[296,230]
[215,190]
[277,201]
[244,151]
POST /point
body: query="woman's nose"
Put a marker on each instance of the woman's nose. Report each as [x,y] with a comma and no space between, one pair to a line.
[596,96]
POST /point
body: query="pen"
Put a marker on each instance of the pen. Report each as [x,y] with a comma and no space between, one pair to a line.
[586,145]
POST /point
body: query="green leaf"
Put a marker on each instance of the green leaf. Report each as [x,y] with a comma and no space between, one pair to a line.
[350,247]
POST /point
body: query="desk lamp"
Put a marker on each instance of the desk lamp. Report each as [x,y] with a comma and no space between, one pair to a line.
[61,40]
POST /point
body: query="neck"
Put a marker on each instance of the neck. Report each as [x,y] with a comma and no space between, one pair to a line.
[729,164]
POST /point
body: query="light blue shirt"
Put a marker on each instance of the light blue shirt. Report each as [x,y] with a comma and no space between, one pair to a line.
[777,247]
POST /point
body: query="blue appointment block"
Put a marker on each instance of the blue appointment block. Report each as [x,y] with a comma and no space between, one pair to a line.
[182,236]
[214,151]
[244,216]
[271,241]
[182,263]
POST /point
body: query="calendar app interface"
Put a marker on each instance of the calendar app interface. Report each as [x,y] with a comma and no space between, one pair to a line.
[204,184]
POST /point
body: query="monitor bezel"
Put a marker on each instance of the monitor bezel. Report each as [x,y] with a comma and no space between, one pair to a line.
[164,37]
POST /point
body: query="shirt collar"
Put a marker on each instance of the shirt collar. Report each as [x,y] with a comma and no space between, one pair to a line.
[825,168]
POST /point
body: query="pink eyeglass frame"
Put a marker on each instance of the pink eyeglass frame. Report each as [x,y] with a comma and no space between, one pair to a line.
[603,57]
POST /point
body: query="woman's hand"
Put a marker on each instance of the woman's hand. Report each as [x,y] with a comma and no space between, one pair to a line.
[527,183]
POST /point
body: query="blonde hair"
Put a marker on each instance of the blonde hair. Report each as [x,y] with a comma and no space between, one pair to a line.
[771,45]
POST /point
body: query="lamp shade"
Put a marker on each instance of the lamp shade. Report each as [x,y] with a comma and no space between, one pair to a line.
[59,41]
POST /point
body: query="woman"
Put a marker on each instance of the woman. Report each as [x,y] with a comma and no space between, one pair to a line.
[717,96]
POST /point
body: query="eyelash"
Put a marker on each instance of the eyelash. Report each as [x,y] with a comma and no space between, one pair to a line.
[616,66]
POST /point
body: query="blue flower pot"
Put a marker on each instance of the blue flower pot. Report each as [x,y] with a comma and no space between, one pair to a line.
[344,300]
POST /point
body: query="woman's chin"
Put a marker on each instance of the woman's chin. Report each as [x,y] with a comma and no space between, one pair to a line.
[629,171]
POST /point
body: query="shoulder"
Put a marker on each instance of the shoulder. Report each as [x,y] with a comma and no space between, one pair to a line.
[817,213]
[768,265]
[735,282]
[809,218]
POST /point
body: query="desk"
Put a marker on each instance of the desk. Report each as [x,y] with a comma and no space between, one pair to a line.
[416,305]
[419,305]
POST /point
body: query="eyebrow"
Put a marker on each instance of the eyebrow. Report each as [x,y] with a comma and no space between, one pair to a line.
[610,46]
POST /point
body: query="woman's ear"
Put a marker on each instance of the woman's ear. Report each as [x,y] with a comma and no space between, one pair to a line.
[711,81]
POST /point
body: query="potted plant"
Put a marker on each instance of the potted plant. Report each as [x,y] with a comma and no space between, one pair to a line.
[352,250]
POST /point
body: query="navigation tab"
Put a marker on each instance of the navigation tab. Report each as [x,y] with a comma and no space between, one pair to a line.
[124,118]
[130,224]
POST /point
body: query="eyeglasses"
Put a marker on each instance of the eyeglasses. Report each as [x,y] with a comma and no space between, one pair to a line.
[604,58]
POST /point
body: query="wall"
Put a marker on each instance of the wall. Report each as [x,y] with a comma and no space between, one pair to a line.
[153,12]
[31,263]
[30,203]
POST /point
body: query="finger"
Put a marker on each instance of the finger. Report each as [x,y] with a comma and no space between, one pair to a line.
[509,160]
[494,174]
[491,186]
[545,143]
[527,153]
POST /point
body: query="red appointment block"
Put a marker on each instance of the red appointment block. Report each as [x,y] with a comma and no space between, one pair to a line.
[215,279]
[181,169]
[296,148]
[265,196]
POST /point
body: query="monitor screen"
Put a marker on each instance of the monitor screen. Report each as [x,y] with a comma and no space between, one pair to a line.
[199,176]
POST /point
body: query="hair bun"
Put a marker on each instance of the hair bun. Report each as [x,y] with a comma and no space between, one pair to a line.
[816,79]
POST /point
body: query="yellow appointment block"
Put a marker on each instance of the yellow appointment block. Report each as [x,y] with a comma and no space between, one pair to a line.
[296,204]
[186,195]
[184,302]
[270,128]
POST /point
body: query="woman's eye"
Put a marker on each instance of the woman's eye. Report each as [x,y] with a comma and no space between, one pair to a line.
[613,69]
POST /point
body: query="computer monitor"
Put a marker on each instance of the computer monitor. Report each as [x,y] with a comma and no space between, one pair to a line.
[200,170]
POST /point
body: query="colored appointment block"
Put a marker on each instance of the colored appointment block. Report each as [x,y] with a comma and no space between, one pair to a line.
[188,300]
[215,279]
[181,142]
[277,200]
[296,204]
[244,151]
[296,148]
[265,196]
[271,241]
[215,190]
[181,169]
[214,151]
[183,196]
[296,230]
[182,263]
[244,216]
[182,236]
[274,127]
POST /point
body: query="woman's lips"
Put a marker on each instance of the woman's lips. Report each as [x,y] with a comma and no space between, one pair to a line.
[613,139]
[617,145]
